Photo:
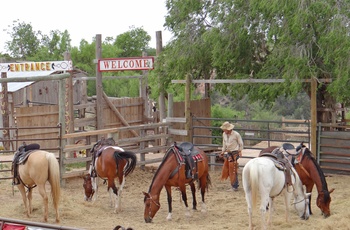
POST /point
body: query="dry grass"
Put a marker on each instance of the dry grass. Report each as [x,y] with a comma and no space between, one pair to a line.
[226,210]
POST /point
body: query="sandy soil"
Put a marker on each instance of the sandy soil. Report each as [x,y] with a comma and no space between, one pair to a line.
[226,210]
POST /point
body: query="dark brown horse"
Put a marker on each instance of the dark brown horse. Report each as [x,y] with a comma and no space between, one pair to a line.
[171,173]
[109,162]
[310,174]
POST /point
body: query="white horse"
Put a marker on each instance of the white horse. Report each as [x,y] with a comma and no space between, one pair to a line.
[261,175]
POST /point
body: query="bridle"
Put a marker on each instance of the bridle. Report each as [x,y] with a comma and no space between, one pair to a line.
[154,202]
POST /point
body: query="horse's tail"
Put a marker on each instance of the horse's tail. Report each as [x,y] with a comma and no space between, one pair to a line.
[54,179]
[254,179]
[131,161]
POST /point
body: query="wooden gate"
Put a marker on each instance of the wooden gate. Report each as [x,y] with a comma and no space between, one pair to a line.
[199,108]
[333,150]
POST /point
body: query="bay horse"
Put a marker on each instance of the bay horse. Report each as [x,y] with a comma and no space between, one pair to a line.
[108,163]
[262,176]
[172,173]
[39,166]
[310,174]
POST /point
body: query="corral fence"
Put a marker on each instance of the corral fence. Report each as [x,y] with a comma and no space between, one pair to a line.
[333,148]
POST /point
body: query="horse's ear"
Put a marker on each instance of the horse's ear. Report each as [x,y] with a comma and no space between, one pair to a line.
[332,190]
[146,194]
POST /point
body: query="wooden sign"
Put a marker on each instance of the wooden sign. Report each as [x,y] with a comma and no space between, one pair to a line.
[119,64]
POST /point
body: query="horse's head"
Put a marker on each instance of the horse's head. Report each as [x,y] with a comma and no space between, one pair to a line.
[323,201]
[151,207]
[301,205]
[88,189]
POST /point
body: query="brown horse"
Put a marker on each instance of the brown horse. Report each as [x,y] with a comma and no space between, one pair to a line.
[310,174]
[171,173]
[109,162]
[40,166]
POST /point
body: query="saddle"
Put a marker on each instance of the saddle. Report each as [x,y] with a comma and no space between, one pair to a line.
[281,161]
[20,157]
[191,156]
[97,150]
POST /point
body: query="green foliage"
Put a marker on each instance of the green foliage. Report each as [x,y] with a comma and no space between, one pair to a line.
[25,41]
[219,111]
[133,42]
[260,39]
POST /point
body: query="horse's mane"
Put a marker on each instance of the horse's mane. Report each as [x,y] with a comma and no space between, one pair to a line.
[167,154]
[309,155]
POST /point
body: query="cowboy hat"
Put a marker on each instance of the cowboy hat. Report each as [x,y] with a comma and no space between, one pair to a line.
[227,126]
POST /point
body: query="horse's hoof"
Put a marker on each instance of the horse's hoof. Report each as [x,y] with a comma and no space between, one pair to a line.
[169,217]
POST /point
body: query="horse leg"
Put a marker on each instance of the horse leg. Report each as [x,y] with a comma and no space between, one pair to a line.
[118,206]
[24,197]
[248,197]
[271,210]
[94,181]
[184,198]
[309,188]
[265,200]
[170,207]
[203,185]
[193,190]
[43,194]
[113,191]
[287,198]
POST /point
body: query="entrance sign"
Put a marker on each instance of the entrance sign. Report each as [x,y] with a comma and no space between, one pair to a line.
[118,64]
[36,66]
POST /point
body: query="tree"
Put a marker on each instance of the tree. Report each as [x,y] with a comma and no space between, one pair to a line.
[133,42]
[262,39]
[25,41]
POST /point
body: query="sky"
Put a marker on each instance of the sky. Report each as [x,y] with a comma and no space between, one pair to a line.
[85,19]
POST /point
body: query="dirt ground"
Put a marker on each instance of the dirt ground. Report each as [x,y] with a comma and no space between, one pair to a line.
[226,210]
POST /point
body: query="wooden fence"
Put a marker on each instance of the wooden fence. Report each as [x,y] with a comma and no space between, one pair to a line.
[333,148]
[143,145]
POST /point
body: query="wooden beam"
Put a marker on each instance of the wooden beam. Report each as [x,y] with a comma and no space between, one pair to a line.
[240,81]
[313,106]
[188,126]
[36,78]
[119,115]
[99,87]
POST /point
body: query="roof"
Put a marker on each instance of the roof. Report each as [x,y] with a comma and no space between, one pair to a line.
[14,86]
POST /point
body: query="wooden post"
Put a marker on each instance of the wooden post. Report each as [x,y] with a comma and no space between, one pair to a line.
[143,91]
[161,98]
[69,99]
[170,113]
[99,87]
[5,113]
[188,108]
[62,121]
[313,106]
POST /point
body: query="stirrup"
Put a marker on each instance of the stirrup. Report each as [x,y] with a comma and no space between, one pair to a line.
[189,175]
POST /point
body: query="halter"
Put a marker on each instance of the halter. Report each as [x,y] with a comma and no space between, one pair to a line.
[306,204]
[154,202]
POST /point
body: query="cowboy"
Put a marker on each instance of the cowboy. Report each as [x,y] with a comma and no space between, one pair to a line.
[232,145]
